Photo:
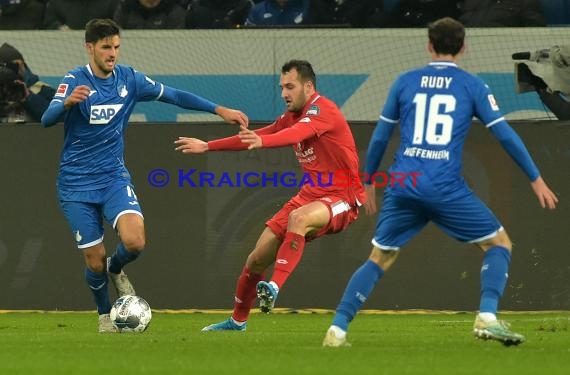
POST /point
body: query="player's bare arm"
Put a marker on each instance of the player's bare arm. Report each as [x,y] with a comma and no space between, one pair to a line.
[191,145]
[250,137]
[79,94]
[370,206]
[545,196]
[232,116]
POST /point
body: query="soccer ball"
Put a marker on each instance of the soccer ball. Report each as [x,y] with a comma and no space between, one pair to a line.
[131,314]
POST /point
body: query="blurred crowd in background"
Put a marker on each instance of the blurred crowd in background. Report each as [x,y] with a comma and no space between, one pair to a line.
[217,14]
[24,97]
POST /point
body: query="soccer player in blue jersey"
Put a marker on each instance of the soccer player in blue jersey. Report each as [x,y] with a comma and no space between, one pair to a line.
[93,184]
[434,106]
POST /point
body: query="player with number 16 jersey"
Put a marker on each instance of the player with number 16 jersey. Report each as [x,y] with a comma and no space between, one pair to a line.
[435,105]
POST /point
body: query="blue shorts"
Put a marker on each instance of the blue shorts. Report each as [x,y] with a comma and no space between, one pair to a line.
[85,210]
[466,219]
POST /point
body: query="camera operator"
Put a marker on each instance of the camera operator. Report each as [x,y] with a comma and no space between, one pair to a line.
[546,71]
[23,97]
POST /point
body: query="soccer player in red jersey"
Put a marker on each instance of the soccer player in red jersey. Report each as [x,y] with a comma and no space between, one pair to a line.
[323,144]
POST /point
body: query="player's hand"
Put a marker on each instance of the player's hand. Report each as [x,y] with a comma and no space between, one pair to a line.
[232,116]
[191,145]
[545,196]
[250,137]
[79,94]
[370,206]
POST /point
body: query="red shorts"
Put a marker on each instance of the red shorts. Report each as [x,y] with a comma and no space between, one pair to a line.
[342,214]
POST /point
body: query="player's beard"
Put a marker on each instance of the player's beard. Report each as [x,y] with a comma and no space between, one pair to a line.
[298,103]
[104,67]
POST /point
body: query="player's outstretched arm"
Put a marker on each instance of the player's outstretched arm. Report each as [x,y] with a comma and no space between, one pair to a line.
[191,145]
[545,196]
[250,138]
[232,116]
[514,146]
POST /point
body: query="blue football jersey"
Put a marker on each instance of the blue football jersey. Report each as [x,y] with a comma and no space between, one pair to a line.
[435,106]
[92,155]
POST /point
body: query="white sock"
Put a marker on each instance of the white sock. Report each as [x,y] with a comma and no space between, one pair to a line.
[487,317]
[338,332]
[237,323]
[274,285]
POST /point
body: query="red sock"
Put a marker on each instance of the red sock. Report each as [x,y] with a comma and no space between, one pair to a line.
[288,256]
[245,294]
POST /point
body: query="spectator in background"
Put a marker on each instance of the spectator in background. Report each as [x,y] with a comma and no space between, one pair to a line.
[74,14]
[417,13]
[217,14]
[21,15]
[353,13]
[279,13]
[150,14]
[23,97]
[501,13]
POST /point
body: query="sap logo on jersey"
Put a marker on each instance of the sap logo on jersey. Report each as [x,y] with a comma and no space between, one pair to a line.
[103,114]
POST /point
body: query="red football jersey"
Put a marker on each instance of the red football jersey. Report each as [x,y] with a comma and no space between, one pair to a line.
[323,144]
[325,149]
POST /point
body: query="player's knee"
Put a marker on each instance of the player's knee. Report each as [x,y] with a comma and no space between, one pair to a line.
[383,258]
[297,219]
[97,265]
[255,263]
[501,240]
[134,243]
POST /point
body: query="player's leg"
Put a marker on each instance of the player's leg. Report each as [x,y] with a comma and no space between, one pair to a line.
[494,275]
[305,220]
[494,271]
[302,221]
[122,210]
[86,225]
[356,293]
[96,278]
[399,220]
[468,219]
[257,262]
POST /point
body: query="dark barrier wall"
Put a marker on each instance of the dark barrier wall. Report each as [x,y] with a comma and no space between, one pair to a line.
[198,237]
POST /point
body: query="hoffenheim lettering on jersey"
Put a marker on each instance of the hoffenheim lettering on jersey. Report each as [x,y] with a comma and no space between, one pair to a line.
[426,154]
[103,114]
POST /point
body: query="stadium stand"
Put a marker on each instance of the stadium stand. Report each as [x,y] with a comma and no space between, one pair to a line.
[557,12]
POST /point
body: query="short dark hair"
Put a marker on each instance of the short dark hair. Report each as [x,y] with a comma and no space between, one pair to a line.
[98,29]
[447,36]
[303,68]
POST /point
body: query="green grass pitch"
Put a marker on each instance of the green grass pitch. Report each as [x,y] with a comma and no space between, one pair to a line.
[399,343]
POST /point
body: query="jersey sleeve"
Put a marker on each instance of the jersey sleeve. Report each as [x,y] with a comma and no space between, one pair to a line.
[385,126]
[56,109]
[233,143]
[317,121]
[147,89]
[516,149]
[289,136]
[391,110]
[485,106]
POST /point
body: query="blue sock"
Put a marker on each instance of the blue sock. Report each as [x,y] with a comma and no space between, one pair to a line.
[97,283]
[494,274]
[121,258]
[359,287]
